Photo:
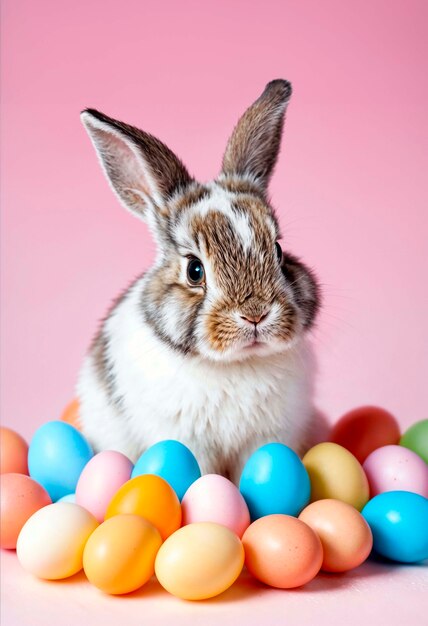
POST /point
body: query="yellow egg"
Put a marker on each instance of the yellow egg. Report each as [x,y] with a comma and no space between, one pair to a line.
[336,473]
[50,544]
[199,561]
[119,556]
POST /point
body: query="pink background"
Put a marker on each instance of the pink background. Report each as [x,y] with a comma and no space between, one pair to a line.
[350,187]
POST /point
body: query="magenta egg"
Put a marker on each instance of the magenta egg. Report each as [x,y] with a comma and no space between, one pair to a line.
[213,498]
[395,468]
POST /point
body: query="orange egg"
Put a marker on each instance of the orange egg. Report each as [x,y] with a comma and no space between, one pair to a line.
[13,452]
[20,497]
[119,556]
[365,429]
[282,551]
[71,413]
[151,497]
[345,535]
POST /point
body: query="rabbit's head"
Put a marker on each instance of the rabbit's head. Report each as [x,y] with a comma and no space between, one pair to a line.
[221,286]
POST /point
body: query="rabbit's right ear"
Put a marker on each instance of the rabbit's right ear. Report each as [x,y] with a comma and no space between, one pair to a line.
[253,148]
[142,171]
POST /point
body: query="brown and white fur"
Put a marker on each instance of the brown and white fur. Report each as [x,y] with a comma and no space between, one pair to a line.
[224,365]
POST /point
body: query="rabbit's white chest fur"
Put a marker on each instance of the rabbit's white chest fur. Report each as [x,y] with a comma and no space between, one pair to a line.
[222,411]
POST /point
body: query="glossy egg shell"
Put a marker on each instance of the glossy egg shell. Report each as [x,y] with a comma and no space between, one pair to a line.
[416,439]
[213,498]
[395,468]
[274,480]
[282,551]
[20,497]
[365,429]
[56,457]
[151,497]
[100,479]
[51,542]
[171,460]
[119,556]
[70,497]
[13,452]
[199,561]
[399,523]
[344,533]
[335,473]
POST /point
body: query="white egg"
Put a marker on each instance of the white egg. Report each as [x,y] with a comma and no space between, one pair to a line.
[50,544]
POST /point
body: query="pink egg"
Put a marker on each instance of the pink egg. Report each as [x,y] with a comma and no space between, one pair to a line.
[395,468]
[213,498]
[105,473]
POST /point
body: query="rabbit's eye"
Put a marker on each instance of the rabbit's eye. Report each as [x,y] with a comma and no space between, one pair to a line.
[195,272]
[278,251]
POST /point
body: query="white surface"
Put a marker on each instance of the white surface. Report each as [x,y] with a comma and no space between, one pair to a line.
[376,593]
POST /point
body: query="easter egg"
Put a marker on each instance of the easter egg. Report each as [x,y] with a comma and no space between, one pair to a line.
[71,413]
[365,429]
[274,480]
[20,497]
[282,551]
[171,460]
[100,479]
[119,556]
[395,468]
[151,497]
[50,544]
[336,473]
[213,498]
[70,497]
[399,523]
[199,561]
[344,533]
[13,452]
[416,439]
[56,457]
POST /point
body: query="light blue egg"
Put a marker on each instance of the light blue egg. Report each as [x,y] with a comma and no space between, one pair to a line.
[70,497]
[274,480]
[399,523]
[171,460]
[57,455]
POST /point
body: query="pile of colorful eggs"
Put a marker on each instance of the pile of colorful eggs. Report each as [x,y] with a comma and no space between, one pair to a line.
[65,509]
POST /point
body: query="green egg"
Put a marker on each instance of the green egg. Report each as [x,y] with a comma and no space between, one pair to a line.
[416,439]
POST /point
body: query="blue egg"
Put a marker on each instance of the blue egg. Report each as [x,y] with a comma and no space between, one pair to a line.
[171,460]
[57,454]
[70,497]
[399,523]
[274,480]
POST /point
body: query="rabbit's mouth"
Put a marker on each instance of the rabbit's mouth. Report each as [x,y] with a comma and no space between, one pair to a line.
[255,343]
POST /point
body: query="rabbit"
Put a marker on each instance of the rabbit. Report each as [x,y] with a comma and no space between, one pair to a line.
[210,346]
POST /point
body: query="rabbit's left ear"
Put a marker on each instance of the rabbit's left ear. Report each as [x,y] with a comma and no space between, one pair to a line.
[253,148]
[142,171]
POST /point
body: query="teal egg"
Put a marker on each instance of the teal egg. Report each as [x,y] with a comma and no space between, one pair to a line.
[399,523]
[172,461]
[57,454]
[274,480]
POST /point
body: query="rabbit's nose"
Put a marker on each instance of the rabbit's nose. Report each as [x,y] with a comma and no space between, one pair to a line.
[255,319]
